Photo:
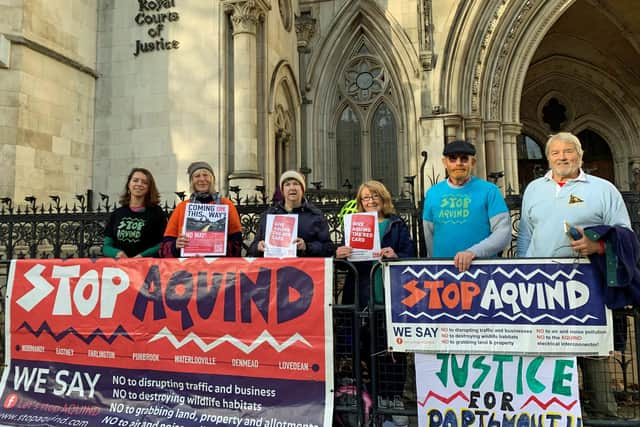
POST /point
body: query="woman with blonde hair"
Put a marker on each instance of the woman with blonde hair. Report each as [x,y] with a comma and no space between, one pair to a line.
[395,242]
[202,182]
[395,239]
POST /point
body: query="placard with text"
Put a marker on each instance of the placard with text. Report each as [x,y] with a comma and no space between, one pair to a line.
[510,306]
[205,225]
[181,342]
[362,236]
[497,390]
[280,236]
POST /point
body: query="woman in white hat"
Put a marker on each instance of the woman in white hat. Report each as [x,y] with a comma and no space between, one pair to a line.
[202,182]
[313,231]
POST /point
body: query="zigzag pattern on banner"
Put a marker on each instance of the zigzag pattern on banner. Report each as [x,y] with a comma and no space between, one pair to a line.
[545,405]
[437,316]
[582,319]
[265,337]
[440,273]
[535,272]
[97,333]
[443,399]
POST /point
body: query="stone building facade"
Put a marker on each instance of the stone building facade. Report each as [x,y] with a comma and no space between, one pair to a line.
[344,90]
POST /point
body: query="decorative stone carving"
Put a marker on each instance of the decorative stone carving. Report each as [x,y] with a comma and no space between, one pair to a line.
[425,28]
[245,15]
[284,6]
[305,29]
[498,72]
[364,78]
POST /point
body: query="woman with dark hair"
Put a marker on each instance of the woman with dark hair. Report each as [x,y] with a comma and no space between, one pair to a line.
[135,229]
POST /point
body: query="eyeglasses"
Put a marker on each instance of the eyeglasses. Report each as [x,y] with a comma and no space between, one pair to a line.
[371,197]
[464,158]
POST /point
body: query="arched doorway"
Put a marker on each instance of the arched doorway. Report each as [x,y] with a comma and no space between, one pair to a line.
[597,157]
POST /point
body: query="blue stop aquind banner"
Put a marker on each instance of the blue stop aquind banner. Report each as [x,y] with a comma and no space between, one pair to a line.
[523,306]
[168,343]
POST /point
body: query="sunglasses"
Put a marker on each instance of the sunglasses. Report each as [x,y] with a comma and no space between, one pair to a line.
[464,158]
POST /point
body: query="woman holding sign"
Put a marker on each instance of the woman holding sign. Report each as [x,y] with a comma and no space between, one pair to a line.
[393,237]
[308,233]
[392,241]
[135,229]
[191,228]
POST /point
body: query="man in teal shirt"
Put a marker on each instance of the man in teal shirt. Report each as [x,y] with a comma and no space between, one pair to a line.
[464,217]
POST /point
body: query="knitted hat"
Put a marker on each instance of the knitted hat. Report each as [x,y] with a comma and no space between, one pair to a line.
[292,175]
[199,165]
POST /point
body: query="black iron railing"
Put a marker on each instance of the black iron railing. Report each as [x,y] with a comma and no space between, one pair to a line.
[76,230]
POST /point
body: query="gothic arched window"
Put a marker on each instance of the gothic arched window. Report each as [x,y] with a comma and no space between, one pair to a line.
[349,147]
[384,147]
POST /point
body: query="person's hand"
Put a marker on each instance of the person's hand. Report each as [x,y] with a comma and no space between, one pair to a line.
[463,259]
[300,244]
[181,241]
[343,252]
[121,254]
[585,246]
[388,252]
[261,246]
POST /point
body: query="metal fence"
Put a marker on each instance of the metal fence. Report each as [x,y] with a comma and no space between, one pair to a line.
[371,385]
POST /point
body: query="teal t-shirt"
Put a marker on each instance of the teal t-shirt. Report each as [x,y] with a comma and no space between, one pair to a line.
[460,215]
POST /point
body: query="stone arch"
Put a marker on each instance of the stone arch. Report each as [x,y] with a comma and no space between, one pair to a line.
[487,59]
[357,23]
[487,44]
[617,102]
[284,100]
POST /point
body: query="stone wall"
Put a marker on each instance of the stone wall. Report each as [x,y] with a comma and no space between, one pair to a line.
[47,98]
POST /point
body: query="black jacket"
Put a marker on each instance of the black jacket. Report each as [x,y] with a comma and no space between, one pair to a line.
[312,228]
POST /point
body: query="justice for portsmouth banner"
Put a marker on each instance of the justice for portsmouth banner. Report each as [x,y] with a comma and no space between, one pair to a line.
[153,343]
[524,306]
[497,390]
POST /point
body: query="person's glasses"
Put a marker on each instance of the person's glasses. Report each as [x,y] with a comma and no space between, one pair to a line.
[464,158]
[371,197]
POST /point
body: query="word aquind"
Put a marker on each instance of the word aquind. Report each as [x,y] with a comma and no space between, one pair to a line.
[234,290]
[464,295]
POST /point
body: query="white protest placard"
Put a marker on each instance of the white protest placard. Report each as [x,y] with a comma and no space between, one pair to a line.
[280,236]
[497,390]
[206,228]
[362,236]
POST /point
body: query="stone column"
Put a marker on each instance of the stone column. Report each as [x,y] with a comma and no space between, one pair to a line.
[305,30]
[452,128]
[245,16]
[493,147]
[510,132]
[473,134]
[633,173]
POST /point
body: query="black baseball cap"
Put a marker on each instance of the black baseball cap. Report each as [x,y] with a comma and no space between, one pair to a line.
[459,147]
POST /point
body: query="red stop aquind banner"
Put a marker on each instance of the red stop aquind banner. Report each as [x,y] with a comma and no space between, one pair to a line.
[174,342]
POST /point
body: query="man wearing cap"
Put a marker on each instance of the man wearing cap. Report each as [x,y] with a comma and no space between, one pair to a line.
[464,217]
[313,231]
[202,182]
